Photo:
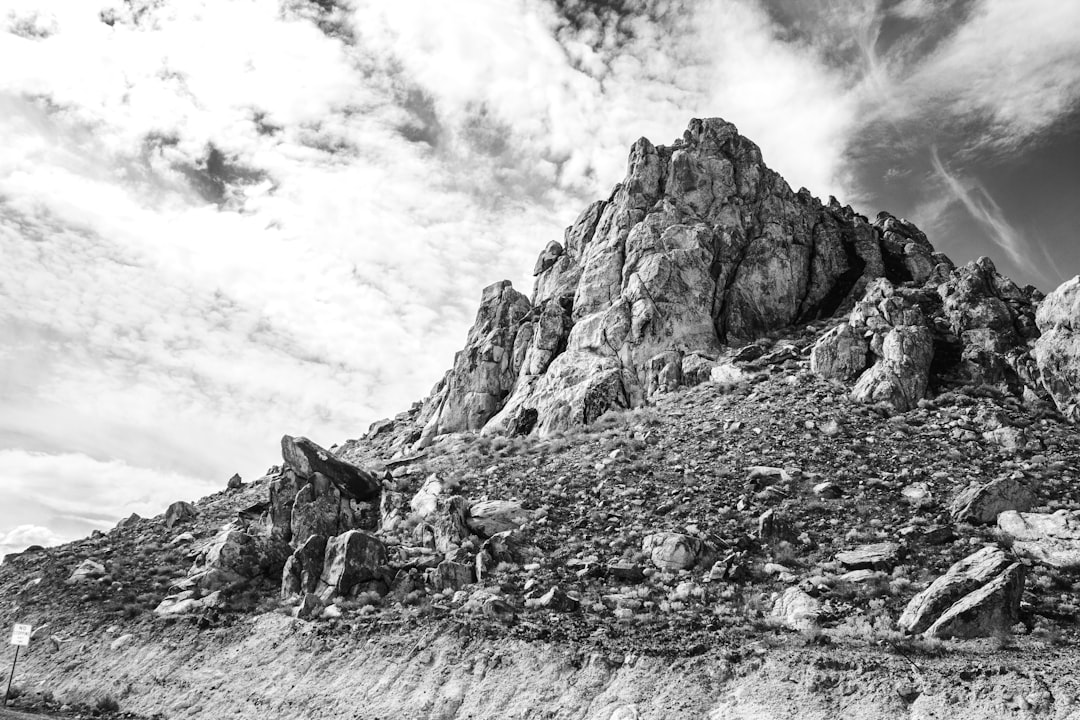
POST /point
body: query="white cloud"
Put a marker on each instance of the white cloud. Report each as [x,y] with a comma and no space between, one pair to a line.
[21,537]
[71,494]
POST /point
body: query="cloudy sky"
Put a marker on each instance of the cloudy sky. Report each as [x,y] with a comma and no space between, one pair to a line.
[224,220]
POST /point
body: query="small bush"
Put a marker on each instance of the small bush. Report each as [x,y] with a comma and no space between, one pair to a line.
[108,704]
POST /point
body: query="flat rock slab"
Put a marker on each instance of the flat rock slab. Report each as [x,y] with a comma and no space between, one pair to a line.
[877,556]
[306,459]
[1049,538]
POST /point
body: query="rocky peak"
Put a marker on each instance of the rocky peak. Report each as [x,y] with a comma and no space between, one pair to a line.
[700,248]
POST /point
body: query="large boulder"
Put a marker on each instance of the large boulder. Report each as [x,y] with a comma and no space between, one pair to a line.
[490,517]
[983,503]
[1057,351]
[304,567]
[962,578]
[1049,538]
[307,459]
[180,511]
[992,609]
[673,551]
[234,556]
[796,610]
[355,561]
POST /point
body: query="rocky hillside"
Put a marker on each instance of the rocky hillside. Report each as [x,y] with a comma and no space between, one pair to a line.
[740,455]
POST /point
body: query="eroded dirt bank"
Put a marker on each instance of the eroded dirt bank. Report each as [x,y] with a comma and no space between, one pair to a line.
[275,667]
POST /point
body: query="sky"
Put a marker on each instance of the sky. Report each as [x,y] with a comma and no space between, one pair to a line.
[226,220]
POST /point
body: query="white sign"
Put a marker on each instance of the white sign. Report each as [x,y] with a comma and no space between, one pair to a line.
[20,635]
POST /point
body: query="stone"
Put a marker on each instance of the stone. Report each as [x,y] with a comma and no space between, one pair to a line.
[626,572]
[391,510]
[1010,438]
[88,570]
[558,601]
[234,556]
[962,578]
[773,526]
[321,508]
[499,548]
[548,257]
[183,603]
[304,567]
[235,482]
[918,494]
[876,556]
[672,551]
[1052,539]
[449,526]
[283,490]
[426,499]
[828,491]
[842,353]
[307,460]
[983,503]
[491,517]
[1057,351]
[354,562]
[179,512]
[130,521]
[484,371]
[450,575]
[796,610]
[993,608]
[310,606]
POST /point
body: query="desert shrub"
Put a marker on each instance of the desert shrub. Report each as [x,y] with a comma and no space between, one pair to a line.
[107,703]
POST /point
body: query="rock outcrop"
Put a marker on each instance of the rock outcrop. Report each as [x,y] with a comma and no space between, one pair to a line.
[1057,351]
[699,247]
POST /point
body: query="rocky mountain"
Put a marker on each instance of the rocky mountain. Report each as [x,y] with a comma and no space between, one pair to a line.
[741,454]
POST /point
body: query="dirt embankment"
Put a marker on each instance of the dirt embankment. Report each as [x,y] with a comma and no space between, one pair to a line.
[276,667]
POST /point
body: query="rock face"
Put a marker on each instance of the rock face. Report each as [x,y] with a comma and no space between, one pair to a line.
[1049,538]
[1057,351]
[977,597]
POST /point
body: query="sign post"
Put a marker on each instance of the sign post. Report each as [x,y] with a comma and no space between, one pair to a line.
[20,638]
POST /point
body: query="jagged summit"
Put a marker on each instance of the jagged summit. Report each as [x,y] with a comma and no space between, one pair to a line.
[701,248]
